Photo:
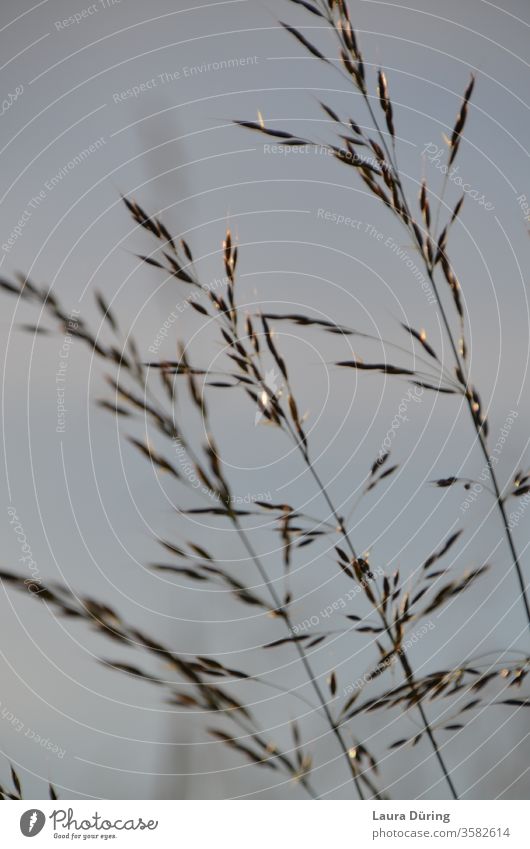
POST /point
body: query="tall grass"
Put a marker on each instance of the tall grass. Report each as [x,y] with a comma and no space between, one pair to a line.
[146,390]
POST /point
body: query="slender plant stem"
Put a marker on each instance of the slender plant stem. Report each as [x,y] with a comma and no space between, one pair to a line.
[303,657]
[482,442]
[458,360]
[304,781]
[407,669]
[307,666]
[447,775]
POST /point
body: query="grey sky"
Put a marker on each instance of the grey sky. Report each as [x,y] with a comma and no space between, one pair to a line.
[154,88]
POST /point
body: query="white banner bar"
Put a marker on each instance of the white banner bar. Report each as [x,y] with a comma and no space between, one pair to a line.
[260,825]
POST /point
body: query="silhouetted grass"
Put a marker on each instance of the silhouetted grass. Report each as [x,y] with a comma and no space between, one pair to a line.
[144,390]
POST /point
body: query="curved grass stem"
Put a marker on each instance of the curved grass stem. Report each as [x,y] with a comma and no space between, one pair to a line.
[301,652]
[407,669]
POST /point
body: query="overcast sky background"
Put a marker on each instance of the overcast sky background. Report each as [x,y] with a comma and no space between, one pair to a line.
[90,506]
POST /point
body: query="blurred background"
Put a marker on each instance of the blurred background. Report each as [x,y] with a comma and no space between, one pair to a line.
[128,98]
